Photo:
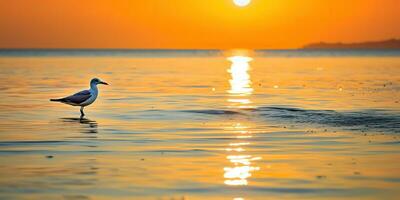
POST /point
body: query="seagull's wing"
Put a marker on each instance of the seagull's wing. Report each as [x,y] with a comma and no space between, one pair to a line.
[78,98]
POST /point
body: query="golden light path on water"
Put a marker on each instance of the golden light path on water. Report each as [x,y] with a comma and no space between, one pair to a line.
[239,97]
[240,81]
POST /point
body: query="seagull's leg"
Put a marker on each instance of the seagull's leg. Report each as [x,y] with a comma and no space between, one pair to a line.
[82,113]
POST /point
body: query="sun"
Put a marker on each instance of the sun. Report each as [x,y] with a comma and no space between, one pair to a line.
[241,3]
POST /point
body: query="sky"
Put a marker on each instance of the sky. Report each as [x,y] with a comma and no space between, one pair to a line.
[194,24]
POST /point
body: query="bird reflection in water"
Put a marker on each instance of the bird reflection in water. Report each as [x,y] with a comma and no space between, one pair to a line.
[86,126]
[239,93]
[85,168]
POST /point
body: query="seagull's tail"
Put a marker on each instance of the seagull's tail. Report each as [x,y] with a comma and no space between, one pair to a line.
[56,100]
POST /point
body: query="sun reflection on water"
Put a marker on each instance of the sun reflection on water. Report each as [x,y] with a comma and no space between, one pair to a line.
[240,81]
[242,163]
[239,97]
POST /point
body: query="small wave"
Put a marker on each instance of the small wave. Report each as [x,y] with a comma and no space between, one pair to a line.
[363,120]
[380,120]
[213,112]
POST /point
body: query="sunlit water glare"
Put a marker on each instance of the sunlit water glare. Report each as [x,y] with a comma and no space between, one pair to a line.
[196,125]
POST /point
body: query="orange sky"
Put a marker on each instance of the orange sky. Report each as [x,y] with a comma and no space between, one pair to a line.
[193,23]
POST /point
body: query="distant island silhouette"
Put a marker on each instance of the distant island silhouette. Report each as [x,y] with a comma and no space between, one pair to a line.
[385,44]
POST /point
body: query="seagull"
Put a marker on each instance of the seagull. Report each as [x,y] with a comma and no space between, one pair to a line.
[83,98]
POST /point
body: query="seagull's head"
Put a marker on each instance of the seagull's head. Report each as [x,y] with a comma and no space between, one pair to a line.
[97,81]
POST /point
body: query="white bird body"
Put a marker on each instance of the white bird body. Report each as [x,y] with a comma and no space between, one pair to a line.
[84,97]
[94,92]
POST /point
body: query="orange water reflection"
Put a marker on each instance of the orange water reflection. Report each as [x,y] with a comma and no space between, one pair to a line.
[242,162]
[140,147]
[239,97]
[240,81]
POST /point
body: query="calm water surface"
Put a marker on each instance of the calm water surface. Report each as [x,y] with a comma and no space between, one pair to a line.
[201,126]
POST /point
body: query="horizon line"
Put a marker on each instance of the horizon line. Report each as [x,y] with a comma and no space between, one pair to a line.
[181,49]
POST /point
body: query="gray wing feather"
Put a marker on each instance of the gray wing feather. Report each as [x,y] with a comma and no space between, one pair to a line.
[78,98]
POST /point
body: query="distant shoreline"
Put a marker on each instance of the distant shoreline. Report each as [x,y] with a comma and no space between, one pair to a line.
[370,45]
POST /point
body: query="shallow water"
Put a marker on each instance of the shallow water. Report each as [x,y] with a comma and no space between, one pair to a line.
[199,125]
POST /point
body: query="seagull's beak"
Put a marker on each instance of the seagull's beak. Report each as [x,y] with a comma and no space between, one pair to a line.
[104,83]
